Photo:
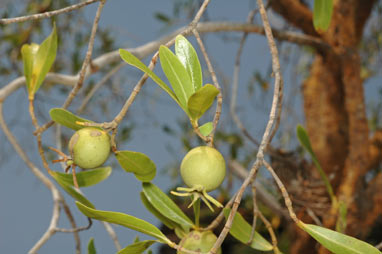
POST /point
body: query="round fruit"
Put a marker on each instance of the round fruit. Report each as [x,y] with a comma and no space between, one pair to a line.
[198,241]
[203,166]
[89,147]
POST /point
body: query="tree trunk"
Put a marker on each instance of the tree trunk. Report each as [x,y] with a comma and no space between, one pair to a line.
[335,112]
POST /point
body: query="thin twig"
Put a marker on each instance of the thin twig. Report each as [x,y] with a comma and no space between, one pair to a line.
[97,86]
[313,216]
[44,15]
[57,200]
[284,193]
[75,230]
[255,213]
[148,48]
[220,217]
[264,196]
[235,83]
[52,226]
[113,124]
[379,246]
[216,84]
[195,126]
[266,136]
[112,234]
[57,197]
[76,236]
[85,64]
[270,231]
[88,56]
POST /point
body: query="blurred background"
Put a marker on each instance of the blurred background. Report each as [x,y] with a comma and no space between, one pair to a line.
[154,124]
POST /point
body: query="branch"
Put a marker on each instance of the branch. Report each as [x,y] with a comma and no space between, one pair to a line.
[296,13]
[57,197]
[113,235]
[235,84]
[97,86]
[278,87]
[87,59]
[216,84]
[261,191]
[143,51]
[45,14]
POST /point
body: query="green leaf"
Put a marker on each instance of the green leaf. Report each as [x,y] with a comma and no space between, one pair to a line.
[188,57]
[206,128]
[85,178]
[202,100]
[72,192]
[123,220]
[138,163]
[91,247]
[169,223]
[67,118]
[134,61]
[303,137]
[38,59]
[161,202]
[241,230]
[336,242]
[177,75]
[45,57]
[28,53]
[137,248]
[322,14]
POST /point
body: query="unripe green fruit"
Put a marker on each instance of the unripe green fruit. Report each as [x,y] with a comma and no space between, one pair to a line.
[199,241]
[203,166]
[89,147]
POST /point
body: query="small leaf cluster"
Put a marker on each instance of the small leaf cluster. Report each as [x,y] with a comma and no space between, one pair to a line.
[184,73]
[38,59]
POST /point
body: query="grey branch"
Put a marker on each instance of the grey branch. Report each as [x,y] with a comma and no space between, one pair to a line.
[150,47]
[45,14]
[261,192]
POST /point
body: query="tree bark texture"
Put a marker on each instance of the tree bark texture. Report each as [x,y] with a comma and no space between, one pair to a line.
[334,107]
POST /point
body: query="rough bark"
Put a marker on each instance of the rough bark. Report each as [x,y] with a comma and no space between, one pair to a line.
[335,114]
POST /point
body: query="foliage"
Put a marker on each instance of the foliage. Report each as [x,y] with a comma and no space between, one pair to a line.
[186,87]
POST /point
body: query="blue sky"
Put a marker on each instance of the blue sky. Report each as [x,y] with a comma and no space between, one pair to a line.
[26,205]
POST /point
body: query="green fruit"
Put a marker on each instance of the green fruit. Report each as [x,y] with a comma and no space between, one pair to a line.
[198,241]
[203,166]
[89,147]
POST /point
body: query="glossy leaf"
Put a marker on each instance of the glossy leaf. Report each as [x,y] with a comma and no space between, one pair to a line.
[28,53]
[206,128]
[134,61]
[45,57]
[67,118]
[303,137]
[91,247]
[188,57]
[176,75]
[322,14]
[169,223]
[163,204]
[72,192]
[137,248]
[123,220]
[241,230]
[85,178]
[336,242]
[201,101]
[138,163]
